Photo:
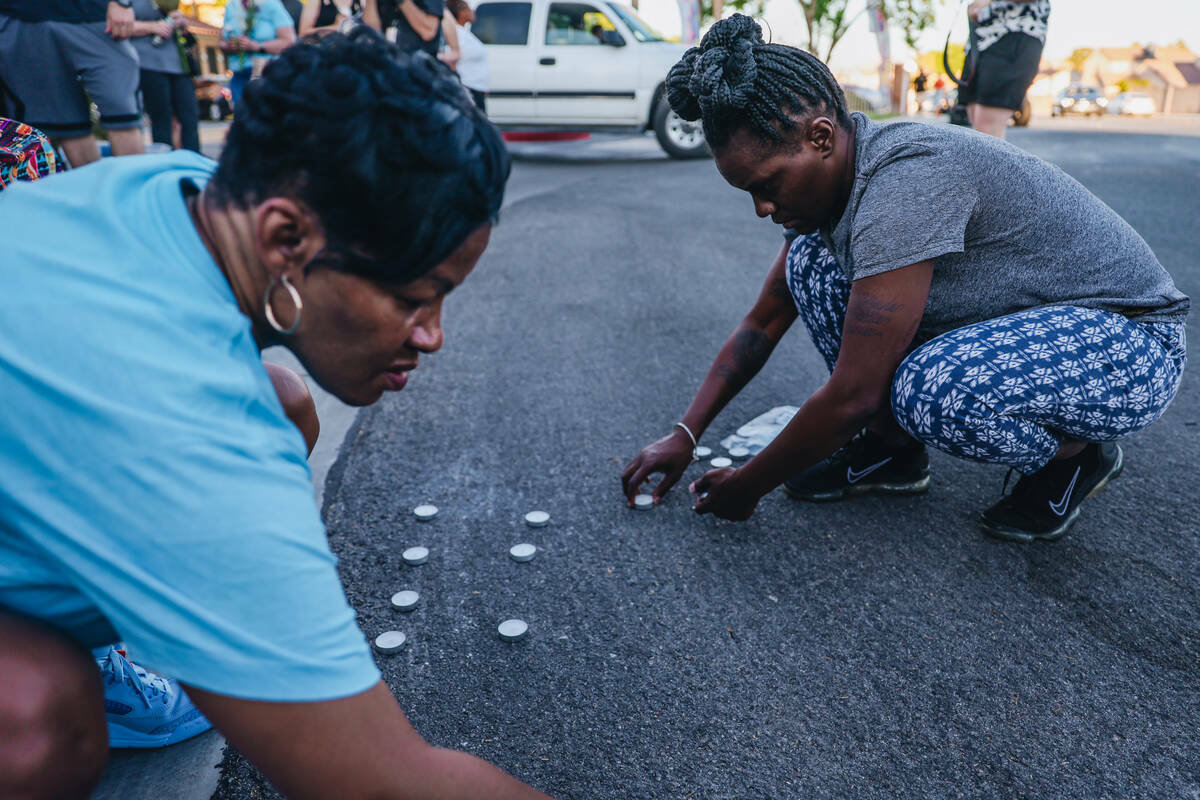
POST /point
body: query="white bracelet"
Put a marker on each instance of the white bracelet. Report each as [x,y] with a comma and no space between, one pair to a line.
[691,435]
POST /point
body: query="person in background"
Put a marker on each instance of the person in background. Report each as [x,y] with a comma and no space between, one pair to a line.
[1006,44]
[411,24]
[55,56]
[325,16]
[254,32]
[472,62]
[167,89]
[449,52]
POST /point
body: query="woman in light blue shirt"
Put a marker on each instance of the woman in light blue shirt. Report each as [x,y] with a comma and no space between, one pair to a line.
[152,487]
[254,31]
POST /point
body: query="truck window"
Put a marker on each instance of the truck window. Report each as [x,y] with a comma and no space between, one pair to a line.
[576,23]
[502,23]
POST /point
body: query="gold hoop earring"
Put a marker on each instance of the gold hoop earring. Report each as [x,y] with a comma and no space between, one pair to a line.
[296,301]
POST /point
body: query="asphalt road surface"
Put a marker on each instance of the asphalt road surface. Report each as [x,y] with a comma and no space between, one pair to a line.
[880,648]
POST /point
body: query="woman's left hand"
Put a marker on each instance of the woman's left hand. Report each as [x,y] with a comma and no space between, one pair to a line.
[720,493]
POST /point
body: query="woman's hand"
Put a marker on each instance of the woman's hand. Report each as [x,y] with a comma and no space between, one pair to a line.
[161,28]
[720,493]
[670,455]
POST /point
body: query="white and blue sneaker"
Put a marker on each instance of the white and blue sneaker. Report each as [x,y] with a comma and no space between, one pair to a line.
[144,709]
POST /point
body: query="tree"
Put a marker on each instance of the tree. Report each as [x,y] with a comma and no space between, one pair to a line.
[912,17]
[827,21]
[754,8]
[1079,57]
[931,61]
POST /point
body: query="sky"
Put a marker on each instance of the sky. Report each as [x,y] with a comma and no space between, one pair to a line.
[1073,23]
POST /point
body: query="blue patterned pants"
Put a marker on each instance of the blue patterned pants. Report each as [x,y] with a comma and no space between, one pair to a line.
[1009,390]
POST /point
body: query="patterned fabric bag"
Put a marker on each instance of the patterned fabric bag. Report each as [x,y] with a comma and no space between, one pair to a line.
[25,153]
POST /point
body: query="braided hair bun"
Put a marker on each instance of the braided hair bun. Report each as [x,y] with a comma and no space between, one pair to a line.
[735,79]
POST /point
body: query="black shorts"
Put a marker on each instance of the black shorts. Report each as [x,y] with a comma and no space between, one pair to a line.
[1003,72]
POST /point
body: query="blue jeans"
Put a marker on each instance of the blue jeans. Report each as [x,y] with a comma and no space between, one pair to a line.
[237,83]
[1010,390]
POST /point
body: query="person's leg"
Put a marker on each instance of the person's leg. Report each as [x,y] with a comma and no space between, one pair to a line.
[989,119]
[126,142]
[183,102]
[821,291]
[1026,389]
[297,402]
[156,97]
[53,742]
[80,150]
[884,458]
[109,71]
[237,83]
[42,86]
[1005,71]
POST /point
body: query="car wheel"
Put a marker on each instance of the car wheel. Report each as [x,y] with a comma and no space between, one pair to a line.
[678,137]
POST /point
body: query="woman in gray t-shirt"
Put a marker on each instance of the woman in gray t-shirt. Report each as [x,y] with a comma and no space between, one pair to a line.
[964,294]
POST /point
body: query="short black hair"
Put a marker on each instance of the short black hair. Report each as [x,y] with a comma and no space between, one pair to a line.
[734,79]
[386,148]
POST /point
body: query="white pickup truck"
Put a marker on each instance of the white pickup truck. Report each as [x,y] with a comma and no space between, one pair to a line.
[580,66]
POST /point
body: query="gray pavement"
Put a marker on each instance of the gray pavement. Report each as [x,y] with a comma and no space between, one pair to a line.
[877,649]
[881,648]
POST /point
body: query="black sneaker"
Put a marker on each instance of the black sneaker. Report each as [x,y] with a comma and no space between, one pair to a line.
[864,465]
[1045,504]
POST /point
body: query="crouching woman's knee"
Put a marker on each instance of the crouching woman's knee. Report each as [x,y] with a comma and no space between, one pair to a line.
[53,736]
[297,402]
[925,399]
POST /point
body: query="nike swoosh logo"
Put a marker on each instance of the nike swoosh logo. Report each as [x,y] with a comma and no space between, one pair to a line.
[1060,507]
[855,477]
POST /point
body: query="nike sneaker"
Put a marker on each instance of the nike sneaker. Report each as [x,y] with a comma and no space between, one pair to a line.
[1045,504]
[865,464]
[144,709]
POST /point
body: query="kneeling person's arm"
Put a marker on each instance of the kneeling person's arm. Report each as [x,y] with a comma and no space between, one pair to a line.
[881,320]
[356,747]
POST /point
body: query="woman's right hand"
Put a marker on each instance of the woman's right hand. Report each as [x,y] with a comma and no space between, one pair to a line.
[670,455]
[161,28]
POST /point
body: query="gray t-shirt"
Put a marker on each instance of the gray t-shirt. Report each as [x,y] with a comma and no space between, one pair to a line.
[1007,230]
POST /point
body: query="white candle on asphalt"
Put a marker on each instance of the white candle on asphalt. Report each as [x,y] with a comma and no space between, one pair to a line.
[415,555]
[512,630]
[522,552]
[389,642]
[537,519]
[406,600]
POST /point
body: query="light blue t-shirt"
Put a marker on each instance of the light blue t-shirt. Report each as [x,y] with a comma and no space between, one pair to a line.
[151,488]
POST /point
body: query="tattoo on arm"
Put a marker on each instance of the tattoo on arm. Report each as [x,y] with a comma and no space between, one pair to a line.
[779,290]
[749,353]
[867,315]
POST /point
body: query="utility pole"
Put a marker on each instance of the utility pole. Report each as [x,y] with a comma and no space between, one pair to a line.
[879,26]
